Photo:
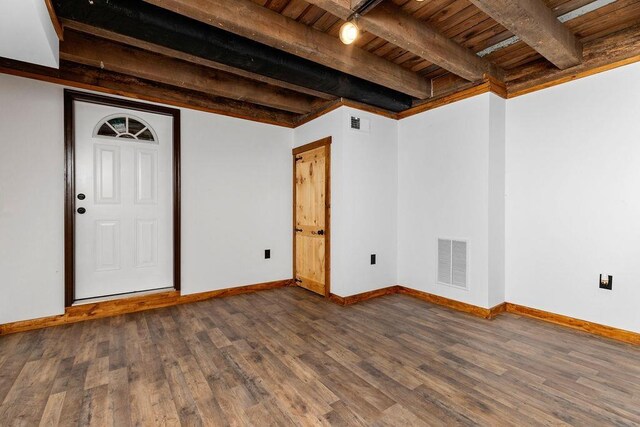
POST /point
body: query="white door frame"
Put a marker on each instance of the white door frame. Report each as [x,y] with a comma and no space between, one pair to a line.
[71,97]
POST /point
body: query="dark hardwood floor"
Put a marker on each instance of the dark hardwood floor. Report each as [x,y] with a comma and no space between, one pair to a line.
[288,357]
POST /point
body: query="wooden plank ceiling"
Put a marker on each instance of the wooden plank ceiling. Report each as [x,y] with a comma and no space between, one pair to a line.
[467,25]
[409,52]
[464,23]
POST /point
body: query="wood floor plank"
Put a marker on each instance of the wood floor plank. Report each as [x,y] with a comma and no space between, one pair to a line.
[119,413]
[94,406]
[289,357]
[52,410]
[29,395]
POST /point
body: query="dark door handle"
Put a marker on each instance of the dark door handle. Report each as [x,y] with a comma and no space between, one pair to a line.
[321,232]
[299,230]
[81,196]
[81,210]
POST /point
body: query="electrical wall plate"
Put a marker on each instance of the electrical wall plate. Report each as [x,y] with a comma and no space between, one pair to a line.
[373,259]
[267,253]
[606,282]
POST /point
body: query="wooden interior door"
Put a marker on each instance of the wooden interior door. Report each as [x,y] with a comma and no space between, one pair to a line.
[312,216]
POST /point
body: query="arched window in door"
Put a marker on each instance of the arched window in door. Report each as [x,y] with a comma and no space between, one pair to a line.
[125,126]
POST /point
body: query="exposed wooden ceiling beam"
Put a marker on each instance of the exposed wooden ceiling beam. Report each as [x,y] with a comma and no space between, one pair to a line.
[90,78]
[389,22]
[165,28]
[248,19]
[343,9]
[537,26]
[141,44]
[88,50]
[600,55]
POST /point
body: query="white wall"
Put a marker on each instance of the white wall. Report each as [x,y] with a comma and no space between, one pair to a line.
[27,34]
[497,184]
[573,198]
[568,158]
[443,183]
[236,200]
[363,199]
[31,199]
[370,194]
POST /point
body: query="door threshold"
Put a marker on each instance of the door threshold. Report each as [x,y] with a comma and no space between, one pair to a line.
[120,296]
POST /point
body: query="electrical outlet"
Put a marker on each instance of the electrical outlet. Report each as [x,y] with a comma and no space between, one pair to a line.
[606,282]
[267,253]
[373,259]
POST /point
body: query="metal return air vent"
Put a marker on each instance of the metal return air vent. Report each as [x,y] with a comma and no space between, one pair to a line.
[452,262]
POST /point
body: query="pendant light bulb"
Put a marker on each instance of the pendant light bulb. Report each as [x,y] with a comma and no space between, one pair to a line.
[348,32]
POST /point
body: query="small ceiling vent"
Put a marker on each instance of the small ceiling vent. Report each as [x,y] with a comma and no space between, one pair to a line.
[355,122]
[452,262]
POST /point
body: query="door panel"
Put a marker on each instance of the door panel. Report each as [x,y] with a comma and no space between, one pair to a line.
[124,238]
[107,173]
[107,245]
[146,242]
[311,219]
[146,176]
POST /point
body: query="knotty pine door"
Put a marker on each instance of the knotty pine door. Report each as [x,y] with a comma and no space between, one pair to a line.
[312,216]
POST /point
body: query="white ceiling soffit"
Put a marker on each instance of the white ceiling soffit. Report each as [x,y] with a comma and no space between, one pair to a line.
[562,18]
[27,33]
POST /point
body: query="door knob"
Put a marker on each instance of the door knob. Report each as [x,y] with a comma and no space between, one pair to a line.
[81,210]
[81,196]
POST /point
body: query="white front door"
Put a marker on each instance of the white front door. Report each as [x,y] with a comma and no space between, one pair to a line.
[123,217]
